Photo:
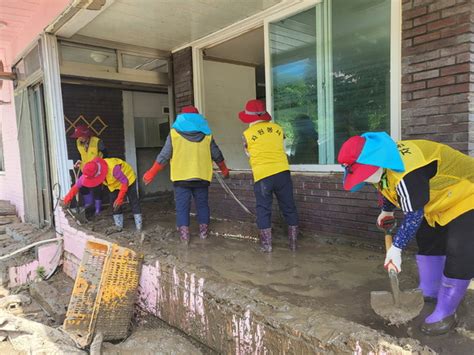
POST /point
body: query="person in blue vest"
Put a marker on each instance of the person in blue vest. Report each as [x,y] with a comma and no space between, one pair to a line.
[190,148]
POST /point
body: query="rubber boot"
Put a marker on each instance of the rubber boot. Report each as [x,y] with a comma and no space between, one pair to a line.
[98,207]
[118,219]
[292,237]
[89,204]
[203,231]
[430,270]
[88,200]
[266,240]
[138,221]
[443,319]
[184,234]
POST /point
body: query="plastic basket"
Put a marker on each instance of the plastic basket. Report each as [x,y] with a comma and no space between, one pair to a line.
[104,293]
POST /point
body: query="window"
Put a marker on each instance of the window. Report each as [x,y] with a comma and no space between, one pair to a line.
[330,76]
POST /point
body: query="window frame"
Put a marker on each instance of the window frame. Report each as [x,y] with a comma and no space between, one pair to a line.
[395,73]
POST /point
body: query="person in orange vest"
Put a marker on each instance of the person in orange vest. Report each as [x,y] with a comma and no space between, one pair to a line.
[89,147]
[263,142]
[191,149]
[433,184]
[119,177]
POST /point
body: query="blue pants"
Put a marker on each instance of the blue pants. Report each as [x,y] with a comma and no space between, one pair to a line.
[183,196]
[281,185]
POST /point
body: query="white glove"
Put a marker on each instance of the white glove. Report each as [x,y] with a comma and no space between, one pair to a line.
[393,259]
[382,215]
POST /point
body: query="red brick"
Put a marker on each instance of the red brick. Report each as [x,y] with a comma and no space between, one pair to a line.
[456,10]
[454,31]
[446,22]
[414,32]
[421,94]
[464,57]
[406,79]
[413,68]
[433,36]
[415,86]
[455,69]
[422,2]
[441,4]
[406,25]
[426,75]
[454,89]
[409,14]
[445,80]
[427,18]
[423,57]
[453,50]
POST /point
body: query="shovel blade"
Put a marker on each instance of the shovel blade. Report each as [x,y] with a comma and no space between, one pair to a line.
[409,306]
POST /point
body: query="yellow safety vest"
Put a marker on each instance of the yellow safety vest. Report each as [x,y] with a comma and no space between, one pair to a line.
[190,160]
[110,181]
[451,189]
[265,146]
[91,152]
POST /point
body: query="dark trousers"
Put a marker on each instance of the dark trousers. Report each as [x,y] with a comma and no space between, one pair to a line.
[455,240]
[96,191]
[281,185]
[132,199]
[183,197]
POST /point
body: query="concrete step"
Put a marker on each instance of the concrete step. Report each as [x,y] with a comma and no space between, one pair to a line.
[53,295]
[7,209]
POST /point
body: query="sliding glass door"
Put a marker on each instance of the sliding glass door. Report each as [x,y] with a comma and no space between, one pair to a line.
[329,76]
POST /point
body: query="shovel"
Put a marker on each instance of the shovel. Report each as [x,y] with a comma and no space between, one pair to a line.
[398,307]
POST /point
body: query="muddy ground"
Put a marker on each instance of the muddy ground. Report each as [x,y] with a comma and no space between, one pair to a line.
[331,274]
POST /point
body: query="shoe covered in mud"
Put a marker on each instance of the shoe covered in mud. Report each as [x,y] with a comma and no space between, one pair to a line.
[292,237]
[184,234]
[441,327]
[266,240]
[443,319]
[430,271]
[203,231]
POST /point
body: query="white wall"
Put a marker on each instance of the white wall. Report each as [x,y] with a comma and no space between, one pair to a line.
[227,87]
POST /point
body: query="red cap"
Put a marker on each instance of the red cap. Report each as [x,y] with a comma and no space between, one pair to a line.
[81,131]
[254,111]
[348,155]
[94,172]
[189,109]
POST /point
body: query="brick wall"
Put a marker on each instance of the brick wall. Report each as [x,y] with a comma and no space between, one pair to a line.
[183,78]
[323,206]
[437,66]
[90,102]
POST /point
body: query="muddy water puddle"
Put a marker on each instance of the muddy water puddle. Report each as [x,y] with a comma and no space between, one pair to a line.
[333,277]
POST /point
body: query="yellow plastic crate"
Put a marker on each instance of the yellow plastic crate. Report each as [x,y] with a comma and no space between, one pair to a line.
[104,293]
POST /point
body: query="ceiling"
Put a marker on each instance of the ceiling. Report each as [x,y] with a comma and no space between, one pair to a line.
[247,48]
[16,14]
[168,24]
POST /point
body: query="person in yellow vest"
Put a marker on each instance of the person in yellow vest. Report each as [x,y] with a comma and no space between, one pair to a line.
[433,184]
[191,148]
[119,177]
[89,147]
[263,142]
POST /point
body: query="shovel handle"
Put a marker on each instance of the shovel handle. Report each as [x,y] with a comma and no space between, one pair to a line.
[388,241]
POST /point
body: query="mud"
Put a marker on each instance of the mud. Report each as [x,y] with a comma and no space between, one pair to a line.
[409,305]
[332,277]
[153,336]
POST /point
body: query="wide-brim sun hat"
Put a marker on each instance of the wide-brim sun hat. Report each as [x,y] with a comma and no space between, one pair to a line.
[254,111]
[81,131]
[94,172]
[361,156]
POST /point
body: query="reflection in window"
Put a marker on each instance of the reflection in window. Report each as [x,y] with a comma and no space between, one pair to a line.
[293,58]
[144,63]
[330,68]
